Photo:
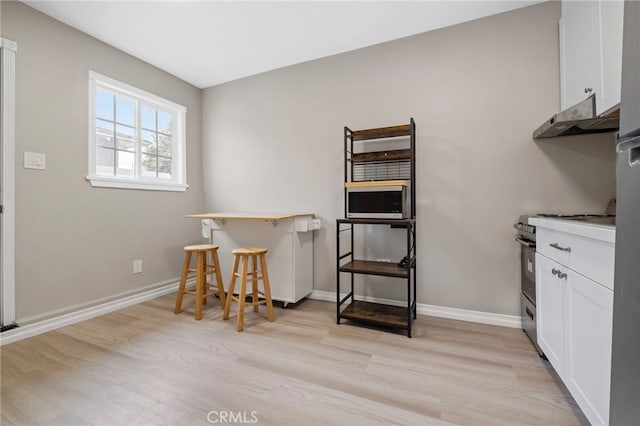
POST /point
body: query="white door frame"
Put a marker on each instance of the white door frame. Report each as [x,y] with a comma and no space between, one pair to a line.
[8,51]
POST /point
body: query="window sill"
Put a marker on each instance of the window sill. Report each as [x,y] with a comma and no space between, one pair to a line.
[108,182]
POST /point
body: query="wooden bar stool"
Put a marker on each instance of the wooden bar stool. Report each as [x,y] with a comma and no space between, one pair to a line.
[203,289]
[254,275]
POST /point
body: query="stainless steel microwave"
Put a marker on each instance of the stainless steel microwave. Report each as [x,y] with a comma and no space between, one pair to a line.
[378,200]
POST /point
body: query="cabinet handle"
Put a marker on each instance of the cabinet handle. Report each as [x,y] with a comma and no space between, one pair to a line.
[588,90]
[529,313]
[557,246]
[554,271]
[562,275]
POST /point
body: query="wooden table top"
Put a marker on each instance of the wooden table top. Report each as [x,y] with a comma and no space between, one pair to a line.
[248,216]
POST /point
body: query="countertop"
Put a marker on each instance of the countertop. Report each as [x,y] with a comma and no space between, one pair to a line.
[248,216]
[588,230]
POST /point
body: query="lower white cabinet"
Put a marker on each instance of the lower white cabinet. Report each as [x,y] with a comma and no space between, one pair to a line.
[588,327]
[575,317]
[288,238]
[550,310]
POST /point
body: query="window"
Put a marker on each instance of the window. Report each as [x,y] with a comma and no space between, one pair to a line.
[136,139]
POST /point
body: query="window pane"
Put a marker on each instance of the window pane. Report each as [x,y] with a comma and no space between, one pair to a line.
[164,168]
[104,133]
[148,142]
[104,161]
[148,118]
[136,135]
[149,165]
[164,145]
[164,122]
[104,104]
[125,137]
[126,163]
[125,110]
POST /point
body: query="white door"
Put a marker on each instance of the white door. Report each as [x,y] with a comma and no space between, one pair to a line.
[609,42]
[7,196]
[589,319]
[549,308]
[578,49]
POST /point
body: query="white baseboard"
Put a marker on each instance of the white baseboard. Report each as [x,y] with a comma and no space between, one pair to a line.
[40,327]
[29,330]
[512,321]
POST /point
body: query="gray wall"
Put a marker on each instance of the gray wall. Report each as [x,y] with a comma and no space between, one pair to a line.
[75,244]
[273,142]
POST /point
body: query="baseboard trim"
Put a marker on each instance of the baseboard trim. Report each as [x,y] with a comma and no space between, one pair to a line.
[40,327]
[30,330]
[511,321]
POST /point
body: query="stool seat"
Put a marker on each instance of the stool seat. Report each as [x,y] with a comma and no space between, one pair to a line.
[200,247]
[203,288]
[249,251]
[253,276]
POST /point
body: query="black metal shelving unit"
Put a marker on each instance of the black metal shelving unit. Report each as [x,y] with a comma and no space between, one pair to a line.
[361,165]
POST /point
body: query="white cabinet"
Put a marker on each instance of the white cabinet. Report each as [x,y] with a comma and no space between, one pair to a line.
[575,314]
[592,258]
[288,237]
[550,310]
[609,42]
[577,51]
[591,52]
[588,318]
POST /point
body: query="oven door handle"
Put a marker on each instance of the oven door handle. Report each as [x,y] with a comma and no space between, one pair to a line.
[526,243]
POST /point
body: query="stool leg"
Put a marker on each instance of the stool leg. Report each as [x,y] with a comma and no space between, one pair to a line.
[183,282]
[220,284]
[254,282]
[200,283]
[243,294]
[267,288]
[205,286]
[232,285]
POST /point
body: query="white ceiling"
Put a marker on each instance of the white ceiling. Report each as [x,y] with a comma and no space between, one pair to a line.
[211,42]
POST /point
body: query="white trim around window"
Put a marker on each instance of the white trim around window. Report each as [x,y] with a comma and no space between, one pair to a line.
[140,143]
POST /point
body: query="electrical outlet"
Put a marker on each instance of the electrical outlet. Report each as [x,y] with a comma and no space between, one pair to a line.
[137,266]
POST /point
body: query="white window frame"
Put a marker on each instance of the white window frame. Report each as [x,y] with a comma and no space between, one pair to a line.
[179,164]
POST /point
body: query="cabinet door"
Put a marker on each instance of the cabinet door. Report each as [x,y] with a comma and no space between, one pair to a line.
[549,308]
[578,49]
[609,40]
[588,316]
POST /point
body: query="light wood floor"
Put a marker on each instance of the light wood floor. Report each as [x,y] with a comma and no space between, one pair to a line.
[145,365]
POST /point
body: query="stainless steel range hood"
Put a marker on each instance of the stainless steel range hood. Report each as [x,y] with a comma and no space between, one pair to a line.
[579,119]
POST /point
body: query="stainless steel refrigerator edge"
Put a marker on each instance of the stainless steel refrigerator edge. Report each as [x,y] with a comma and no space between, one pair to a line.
[625,358]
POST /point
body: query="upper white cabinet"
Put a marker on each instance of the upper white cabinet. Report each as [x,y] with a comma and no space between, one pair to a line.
[591,52]
[609,70]
[577,51]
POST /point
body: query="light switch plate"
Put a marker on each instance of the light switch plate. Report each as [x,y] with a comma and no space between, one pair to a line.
[35,160]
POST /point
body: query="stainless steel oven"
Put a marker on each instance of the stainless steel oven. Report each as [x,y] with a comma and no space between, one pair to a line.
[527,239]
